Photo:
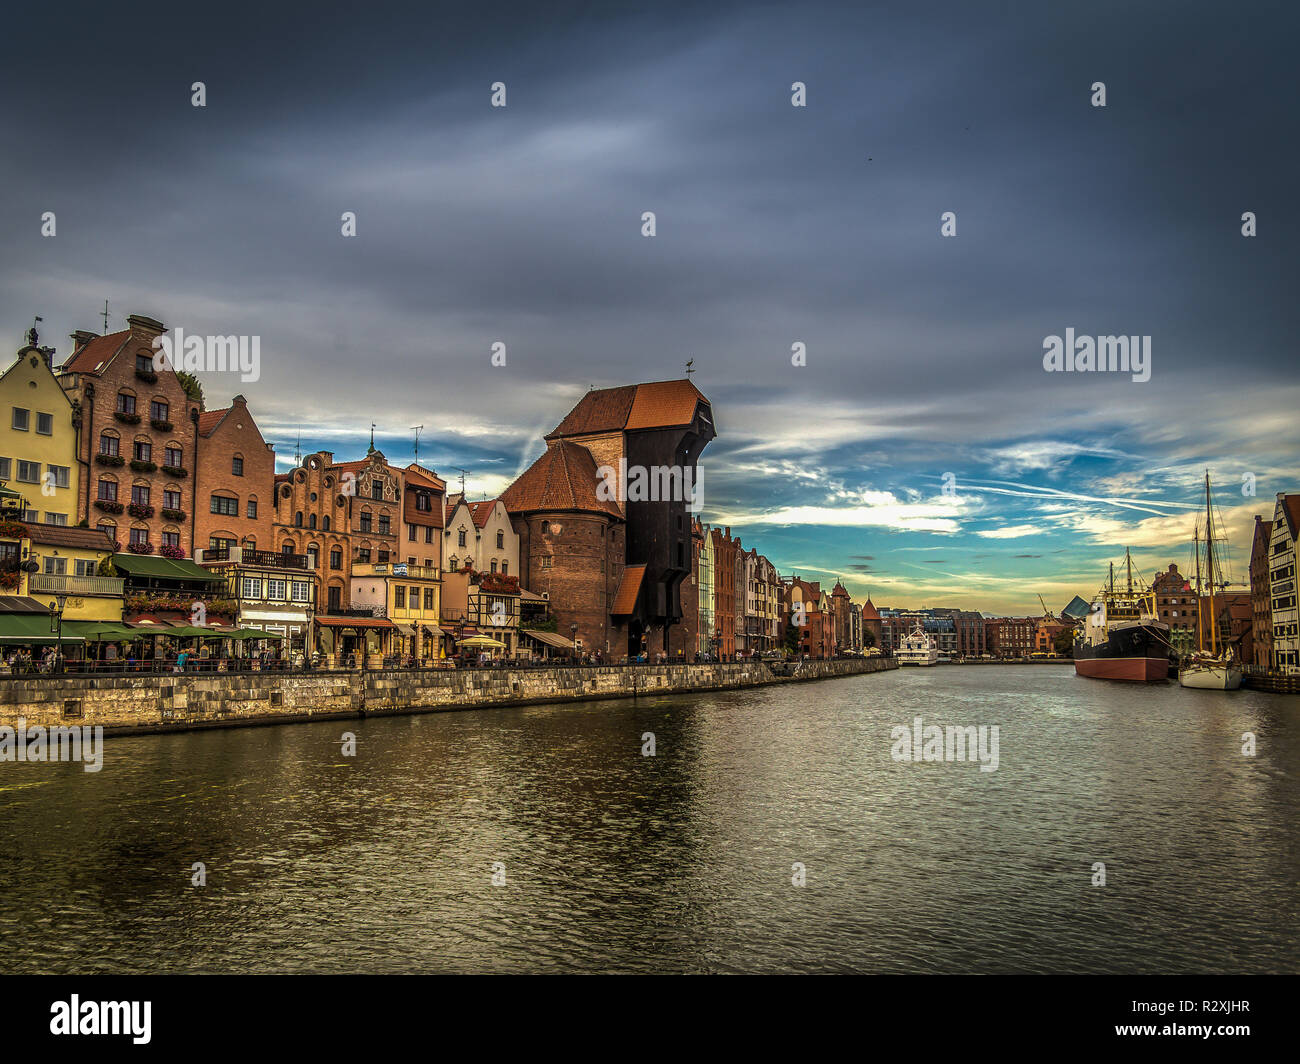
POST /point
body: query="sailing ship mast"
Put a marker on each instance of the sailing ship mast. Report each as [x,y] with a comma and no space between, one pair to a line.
[1200,626]
[1209,562]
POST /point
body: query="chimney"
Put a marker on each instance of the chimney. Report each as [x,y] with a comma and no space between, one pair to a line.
[81,338]
[143,328]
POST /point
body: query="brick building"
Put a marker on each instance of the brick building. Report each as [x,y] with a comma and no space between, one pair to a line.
[138,439]
[1260,608]
[1176,607]
[235,474]
[725,552]
[572,547]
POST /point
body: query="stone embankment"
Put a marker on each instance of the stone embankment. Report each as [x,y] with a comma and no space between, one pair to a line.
[153,703]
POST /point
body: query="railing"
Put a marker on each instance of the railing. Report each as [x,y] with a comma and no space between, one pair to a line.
[268,559]
[52,584]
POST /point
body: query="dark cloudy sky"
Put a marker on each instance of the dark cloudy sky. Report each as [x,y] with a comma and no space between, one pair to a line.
[776,225]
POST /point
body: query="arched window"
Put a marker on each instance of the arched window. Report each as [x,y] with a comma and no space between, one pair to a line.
[110,443]
[297,519]
[325,523]
[311,521]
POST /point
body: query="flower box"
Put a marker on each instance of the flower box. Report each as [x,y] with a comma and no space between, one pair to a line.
[125,418]
[160,424]
[174,470]
[140,510]
[147,375]
[140,548]
[114,460]
[173,515]
[143,467]
[171,552]
[108,506]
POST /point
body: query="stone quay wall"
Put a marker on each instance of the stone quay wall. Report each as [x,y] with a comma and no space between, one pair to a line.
[126,704]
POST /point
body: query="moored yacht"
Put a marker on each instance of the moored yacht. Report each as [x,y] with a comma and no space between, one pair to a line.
[917,648]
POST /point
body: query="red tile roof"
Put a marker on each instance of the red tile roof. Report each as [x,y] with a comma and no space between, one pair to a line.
[96,354]
[425,477]
[482,510]
[658,404]
[564,478]
[1291,507]
[629,590]
[210,419]
[68,536]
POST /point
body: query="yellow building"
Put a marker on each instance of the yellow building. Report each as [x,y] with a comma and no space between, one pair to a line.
[38,443]
[69,564]
[408,596]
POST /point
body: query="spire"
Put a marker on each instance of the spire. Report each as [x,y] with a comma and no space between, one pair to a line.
[371,449]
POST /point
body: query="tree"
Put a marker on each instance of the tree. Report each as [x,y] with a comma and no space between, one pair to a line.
[868,639]
[1065,643]
[191,385]
[791,643]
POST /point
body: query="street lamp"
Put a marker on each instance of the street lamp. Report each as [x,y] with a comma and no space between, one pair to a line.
[573,629]
[56,625]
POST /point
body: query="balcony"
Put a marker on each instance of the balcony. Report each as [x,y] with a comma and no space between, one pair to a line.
[398,569]
[50,584]
[266,559]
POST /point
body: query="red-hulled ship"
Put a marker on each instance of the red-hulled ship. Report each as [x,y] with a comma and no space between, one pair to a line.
[1121,639]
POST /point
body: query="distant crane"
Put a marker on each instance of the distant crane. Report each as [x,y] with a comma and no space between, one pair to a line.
[417,429]
[1048,615]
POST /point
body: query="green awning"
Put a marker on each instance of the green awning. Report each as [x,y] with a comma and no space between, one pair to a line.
[154,567]
[100,631]
[31,628]
[253,633]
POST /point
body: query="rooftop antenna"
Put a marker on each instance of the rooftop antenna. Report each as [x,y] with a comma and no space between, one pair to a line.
[297,450]
[105,317]
[418,429]
[462,482]
[690,364]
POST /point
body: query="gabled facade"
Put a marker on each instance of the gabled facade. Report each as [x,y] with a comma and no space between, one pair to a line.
[481,535]
[1283,564]
[38,439]
[235,479]
[1260,599]
[138,439]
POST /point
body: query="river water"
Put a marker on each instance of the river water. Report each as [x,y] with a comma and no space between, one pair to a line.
[680,862]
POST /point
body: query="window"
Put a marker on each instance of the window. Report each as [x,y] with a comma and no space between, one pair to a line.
[221,546]
[454,562]
[107,490]
[311,520]
[109,529]
[86,568]
[381,556]
[325,523]
[143,450]
[29,472]
[125,403]
[62,475]
[376,489]
[158,411]
[313,556]
[225,506]
[45,424]
[252,508]
[336,558]
[494,565]
[275,589]
[399,596]
[410,533]
[365,522]
[428,599]
[460,538]
[56,519]
[300,591]
[501,541]
[21,418]
[143,364]
[140,494]
[415,598]
[546,561]
[423,501]
[505,568]
[172,457]
[237,466]
[56,566]
[252,587]
[363,554]
[171,500]
[139,536]
[428,534]
[297,519]
[4,468]
[335,599]
[383,525]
